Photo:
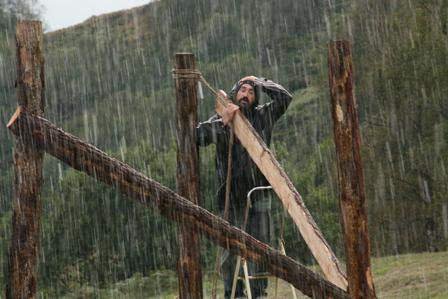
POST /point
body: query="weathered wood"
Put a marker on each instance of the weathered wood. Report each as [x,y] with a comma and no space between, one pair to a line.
[24,247]
[187,177]
[291,199]
[350,172]
[92,161]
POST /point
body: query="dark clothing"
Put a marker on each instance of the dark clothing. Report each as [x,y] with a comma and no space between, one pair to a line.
[245,176]
[259,226]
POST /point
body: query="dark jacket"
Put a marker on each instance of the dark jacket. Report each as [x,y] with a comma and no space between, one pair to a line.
[245,173]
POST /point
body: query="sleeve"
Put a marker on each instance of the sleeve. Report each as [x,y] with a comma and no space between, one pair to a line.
[209,131]
[281,98]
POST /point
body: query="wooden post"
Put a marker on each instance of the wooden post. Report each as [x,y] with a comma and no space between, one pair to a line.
[351,177]
[189,264]
[24,246]
[92,161]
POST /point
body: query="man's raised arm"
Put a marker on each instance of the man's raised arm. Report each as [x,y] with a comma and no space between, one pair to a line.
[279,95]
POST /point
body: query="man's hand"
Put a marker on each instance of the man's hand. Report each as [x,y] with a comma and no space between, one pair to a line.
[229,111]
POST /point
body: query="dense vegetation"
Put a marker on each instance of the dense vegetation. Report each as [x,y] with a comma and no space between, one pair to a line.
[109,82]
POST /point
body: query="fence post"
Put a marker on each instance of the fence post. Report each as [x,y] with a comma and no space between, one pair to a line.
[189,267]
[350,172]
[24,245]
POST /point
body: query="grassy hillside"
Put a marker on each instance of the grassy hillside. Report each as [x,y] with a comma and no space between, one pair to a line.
[409,276]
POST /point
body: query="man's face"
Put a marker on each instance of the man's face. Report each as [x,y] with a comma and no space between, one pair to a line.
[245,96]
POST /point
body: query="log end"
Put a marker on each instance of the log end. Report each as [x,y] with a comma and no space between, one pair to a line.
[185,61]
[14,117]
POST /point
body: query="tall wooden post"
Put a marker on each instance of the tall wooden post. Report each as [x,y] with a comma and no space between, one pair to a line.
[24,246]
[189,267]
[351,177]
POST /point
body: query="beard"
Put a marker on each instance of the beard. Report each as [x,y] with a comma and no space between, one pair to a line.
[245,106]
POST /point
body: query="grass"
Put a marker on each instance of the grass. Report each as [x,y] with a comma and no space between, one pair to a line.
[423,275]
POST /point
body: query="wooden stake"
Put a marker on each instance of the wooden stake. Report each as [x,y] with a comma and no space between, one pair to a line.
[351,176]
[24,248]
[189,264]
[90,160]
[291,199]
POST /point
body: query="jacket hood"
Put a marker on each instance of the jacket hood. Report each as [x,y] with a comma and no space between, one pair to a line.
[237,87]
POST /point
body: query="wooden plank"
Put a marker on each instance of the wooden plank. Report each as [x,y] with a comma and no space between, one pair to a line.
[291,199]
[90,160]
[24,248]
[187,177]
[350,172]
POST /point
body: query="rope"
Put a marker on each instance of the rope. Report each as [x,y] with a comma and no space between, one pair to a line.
[226,209]
[229,173]
[186,74]
[195,74]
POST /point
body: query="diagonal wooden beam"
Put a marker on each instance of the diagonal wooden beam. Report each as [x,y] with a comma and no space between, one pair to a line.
[291,199]
[92,161]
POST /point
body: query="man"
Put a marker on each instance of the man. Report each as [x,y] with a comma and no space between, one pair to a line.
[245,175]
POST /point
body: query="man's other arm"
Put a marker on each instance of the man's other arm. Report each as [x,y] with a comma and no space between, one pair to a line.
[280,99]
[209,131]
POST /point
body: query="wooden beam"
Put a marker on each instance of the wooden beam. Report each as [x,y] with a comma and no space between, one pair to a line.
[187,177]
[24,247]
[350,172]
[90,160]
[291,199]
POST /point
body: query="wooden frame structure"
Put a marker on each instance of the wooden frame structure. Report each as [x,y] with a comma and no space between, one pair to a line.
[36,135]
